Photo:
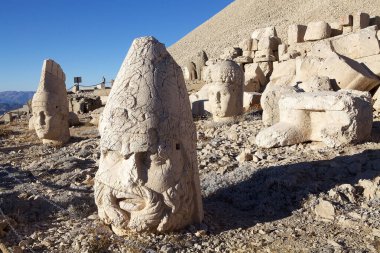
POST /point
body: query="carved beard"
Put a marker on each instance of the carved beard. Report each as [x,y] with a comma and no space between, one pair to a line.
[143,209]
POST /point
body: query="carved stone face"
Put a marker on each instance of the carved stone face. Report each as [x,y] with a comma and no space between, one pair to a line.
[50,107]
[225,82]
[48,117]
[223,99]
[147,177]
[143,184]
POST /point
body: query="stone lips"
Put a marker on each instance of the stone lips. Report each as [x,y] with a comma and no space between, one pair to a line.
[148,144]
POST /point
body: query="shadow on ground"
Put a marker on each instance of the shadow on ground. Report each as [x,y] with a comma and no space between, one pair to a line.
[275,192]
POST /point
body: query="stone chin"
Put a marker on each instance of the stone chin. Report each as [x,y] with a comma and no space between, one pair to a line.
[126,200]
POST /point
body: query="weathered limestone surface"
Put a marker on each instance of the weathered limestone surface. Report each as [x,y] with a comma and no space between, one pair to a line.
[254,78]
[231,53]
[357,45]
[316,83]
[269,102]
[200,63]
[148,176]
[50,106]
[360,20]
[372,63]
[226,81]
[191,71]
[348,74]
[296,33]
[318,30]
[334,118]
[200,105]
[251,101]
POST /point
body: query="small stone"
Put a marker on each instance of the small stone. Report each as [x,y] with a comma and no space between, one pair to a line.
[325,210]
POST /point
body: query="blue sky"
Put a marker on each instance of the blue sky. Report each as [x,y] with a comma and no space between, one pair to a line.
[88,38]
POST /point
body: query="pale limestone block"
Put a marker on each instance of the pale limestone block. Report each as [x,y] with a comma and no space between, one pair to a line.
[264,56]
[148,175]
[318,30]
[321,49]
[258,34]
[372,63]
[226,90]
[346,20]
[334,118]
[190,72]
[200,62]
[307,67]
[269,102]
[243,60]
[316,83]
[254,78]
[246,44]
[267,68]
[251,101]
[268,43]
[360,20]
[255,45]
[283,52]
[200,105]
[347,29]
[296,33]
[50,106]
[284,73]
[347,73]
[231,53]
[325,210]
[357,45]
[336,29]
[96,115]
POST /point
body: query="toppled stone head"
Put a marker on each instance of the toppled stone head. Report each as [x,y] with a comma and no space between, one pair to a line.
[225,80]
[148,177]
[50,107]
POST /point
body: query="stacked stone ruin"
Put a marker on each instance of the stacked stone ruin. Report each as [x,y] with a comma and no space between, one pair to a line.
[319,58]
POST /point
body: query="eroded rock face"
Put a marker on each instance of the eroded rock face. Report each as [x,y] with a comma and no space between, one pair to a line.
[148,177]
[334,118]
[50,106]
[226,81]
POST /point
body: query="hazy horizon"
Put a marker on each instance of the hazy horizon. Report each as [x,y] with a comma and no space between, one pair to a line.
[87,38]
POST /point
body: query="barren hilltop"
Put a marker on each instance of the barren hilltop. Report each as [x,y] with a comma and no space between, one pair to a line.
[238,20]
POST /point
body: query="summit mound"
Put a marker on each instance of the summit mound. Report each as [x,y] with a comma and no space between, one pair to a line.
[239,19]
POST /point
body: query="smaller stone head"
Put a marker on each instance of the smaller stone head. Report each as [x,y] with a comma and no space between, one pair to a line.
[225,80]
[50,106]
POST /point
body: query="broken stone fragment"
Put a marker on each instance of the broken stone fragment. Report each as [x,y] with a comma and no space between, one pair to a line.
[325,210]
[318,30]
[334,118]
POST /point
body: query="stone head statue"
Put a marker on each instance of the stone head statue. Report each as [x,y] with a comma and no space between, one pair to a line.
[50,107]
[148,176]
[225,80]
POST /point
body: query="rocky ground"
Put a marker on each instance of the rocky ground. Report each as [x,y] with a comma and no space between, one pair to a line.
[302,198]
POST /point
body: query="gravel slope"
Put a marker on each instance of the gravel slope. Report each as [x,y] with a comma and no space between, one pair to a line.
[242,17]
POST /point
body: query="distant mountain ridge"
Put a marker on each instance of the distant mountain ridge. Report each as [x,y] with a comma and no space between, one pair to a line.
[10,100]
[15,97]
